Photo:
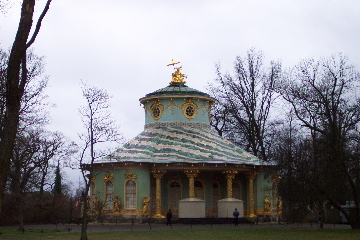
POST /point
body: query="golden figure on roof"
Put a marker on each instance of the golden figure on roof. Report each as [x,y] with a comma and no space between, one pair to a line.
[177,76]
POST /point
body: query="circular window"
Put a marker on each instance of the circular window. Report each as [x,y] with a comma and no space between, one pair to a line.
[156,112]
[156,109]
[189,108]
[190,111]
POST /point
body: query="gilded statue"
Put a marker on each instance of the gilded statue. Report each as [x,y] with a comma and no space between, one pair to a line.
[117,204]
[88,205]
[267,205]
[145,204]
[177,76]
[279,206]
[97,206]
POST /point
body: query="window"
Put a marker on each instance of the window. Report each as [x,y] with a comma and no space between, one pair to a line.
[130,193]
[199,191]
[156,109]
[174,195]
[236,186]
[214,195]
[109,197]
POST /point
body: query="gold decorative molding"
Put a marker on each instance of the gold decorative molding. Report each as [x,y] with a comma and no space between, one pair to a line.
[130,175]
[189,108]
[108,177]
[230,175]
[158,174]
[191,174]
[156,109]
[251,176]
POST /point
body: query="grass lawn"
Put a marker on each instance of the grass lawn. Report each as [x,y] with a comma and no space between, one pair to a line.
[195,234]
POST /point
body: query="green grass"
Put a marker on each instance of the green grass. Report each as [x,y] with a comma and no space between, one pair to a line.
[196,234]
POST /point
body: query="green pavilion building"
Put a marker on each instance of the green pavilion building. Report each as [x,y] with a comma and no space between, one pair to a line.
[179,163]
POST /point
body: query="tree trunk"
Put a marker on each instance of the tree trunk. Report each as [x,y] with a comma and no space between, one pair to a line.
[14,92]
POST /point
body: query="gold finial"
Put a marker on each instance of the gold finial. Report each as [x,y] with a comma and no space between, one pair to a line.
[177,76]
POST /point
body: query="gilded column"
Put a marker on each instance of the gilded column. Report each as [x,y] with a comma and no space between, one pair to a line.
[191,174]
[158,174]
[251,176]
[230,175]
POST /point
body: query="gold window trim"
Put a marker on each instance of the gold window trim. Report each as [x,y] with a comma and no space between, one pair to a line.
[156,106]
[185,108]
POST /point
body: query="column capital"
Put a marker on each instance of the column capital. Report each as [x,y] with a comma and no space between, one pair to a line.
[158,173]
[192,173]
[251,175]
[230,173]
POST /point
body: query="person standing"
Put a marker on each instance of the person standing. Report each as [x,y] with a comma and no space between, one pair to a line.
[168,218]
[236,217]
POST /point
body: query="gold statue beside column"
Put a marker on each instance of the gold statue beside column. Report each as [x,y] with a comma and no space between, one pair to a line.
[146,202]
[117,204]
[267,205]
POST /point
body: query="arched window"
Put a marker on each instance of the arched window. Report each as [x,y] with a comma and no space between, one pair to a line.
[92,195]
[199,191]
[214,195]
[236,187]
[174,195]
[109,197]
[130,194]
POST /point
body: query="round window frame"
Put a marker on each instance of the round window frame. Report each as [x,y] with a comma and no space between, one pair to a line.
[156,109]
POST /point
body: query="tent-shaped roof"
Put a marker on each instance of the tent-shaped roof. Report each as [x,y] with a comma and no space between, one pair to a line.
[181,144]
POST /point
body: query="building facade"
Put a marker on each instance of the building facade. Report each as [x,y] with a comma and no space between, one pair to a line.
[178,163]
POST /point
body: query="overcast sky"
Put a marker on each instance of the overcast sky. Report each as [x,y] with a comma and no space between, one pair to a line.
[124,46]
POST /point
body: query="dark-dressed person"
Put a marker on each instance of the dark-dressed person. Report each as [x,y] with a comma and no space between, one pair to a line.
[168,217]
[236,217]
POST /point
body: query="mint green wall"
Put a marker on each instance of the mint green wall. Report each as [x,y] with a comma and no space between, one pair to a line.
[142,181]
[176,115]
[143,185]
[262,185]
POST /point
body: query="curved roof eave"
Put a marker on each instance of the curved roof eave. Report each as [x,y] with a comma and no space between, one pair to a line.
[181,145]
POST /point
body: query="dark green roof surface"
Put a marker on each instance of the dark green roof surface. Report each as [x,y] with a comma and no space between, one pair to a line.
[181,144]
[176,89]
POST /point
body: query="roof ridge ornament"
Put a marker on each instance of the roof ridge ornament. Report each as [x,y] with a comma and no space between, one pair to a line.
[177,76]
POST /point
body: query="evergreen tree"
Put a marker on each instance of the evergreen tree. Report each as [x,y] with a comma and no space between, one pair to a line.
[57,184]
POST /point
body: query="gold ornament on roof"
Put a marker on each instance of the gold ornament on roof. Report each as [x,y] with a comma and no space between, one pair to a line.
[177,76]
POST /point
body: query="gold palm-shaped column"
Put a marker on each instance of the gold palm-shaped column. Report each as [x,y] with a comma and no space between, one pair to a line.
[251,176]
[158,174]
[191,174]
[230,175]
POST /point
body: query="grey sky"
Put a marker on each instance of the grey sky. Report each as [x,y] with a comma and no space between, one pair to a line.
[124,46]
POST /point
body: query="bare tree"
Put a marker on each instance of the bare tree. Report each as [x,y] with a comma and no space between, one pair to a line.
[16,79]
[323,95]
[244,100]
[100,128]
[32,152]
